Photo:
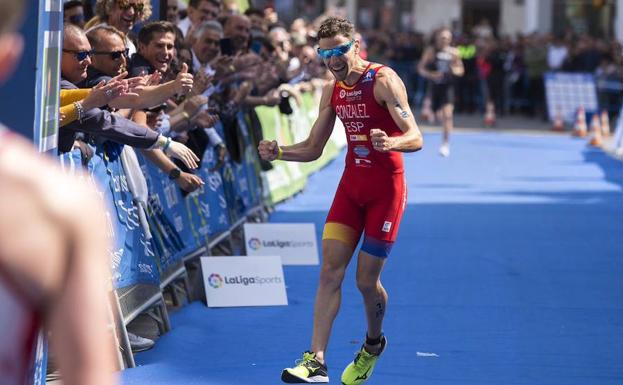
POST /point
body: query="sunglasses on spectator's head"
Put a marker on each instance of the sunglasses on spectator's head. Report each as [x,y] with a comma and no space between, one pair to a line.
[114,55]
[124,5]
[79,55]
[337,51]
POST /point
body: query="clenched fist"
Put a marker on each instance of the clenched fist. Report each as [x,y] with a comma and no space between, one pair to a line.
[380,140]
[269,150]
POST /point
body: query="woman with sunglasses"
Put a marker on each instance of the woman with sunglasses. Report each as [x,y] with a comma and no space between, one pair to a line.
[121,14]
[371,101]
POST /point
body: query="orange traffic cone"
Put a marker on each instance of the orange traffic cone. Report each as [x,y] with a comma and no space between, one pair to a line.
[595,131]
[427,111]
[579,129]
[489,119]
[559,124]
[605,124]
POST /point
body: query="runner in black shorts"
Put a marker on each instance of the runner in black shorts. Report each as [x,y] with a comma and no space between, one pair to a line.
[440,63]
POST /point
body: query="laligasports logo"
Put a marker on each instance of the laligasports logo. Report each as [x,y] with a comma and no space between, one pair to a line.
[342,94]
[255,243]
[215,280]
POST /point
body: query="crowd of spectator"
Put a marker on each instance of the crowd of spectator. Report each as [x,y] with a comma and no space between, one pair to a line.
[162,85]
[506,71]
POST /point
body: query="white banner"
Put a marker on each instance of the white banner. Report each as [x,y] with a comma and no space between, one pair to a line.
[566,92]
[294,242]
[244,281]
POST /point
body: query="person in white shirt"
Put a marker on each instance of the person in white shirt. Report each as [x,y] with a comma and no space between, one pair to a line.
[557,52]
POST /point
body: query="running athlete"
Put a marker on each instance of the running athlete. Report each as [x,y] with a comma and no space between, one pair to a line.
[53,254]
[440,63]
[371,101]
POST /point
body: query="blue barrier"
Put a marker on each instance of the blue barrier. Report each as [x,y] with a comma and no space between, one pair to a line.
[133,259]
[166,220]
[178,224]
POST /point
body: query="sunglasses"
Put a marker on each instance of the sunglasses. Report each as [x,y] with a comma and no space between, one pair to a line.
[114,55]
[76,19]
[337,51]
[125,5]
[79,55]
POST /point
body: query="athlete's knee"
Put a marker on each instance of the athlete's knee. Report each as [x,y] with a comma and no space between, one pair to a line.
[368,285]
[331,275]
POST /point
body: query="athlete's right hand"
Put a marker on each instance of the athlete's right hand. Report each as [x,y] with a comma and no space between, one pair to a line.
[269,150]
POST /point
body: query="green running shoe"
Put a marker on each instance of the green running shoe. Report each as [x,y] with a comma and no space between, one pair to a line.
[358,371]
[307,370]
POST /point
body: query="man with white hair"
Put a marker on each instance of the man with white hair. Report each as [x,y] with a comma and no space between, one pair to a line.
[206,48]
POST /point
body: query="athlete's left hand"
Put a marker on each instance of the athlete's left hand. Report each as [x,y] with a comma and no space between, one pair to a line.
[380,140]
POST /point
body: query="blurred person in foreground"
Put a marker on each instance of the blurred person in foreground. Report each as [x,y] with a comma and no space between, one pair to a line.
[371,101]
[440,63]
[43,283]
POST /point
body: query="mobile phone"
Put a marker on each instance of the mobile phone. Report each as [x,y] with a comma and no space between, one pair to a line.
[227,46]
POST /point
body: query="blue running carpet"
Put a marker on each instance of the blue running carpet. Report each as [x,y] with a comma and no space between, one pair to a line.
[508,270]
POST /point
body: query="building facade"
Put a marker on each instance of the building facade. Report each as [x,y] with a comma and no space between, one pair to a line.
[507,17]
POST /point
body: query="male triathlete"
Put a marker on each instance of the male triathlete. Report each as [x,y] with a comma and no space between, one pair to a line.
[371,101]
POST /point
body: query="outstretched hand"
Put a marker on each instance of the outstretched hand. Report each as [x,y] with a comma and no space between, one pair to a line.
[103,93]
[179,151]
[189,182]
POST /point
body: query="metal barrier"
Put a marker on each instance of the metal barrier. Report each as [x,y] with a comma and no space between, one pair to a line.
[148,262]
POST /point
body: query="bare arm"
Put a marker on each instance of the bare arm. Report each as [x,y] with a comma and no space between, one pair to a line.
[390,92]
[150,96]
[312,147]
[186,181]
[426,58]
[456,66]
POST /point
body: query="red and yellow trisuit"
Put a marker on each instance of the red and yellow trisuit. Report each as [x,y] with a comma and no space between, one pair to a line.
[372,193]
